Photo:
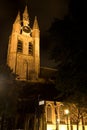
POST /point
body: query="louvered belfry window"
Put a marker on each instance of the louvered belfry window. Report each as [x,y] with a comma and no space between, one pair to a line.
[20,46]
[30,49]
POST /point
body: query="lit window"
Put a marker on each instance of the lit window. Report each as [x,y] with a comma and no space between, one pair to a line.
[30,49]
[49,114]
[20,46]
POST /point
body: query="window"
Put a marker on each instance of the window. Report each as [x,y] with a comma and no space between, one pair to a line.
[30,49]
[49,114]
[20,46]
[62,115]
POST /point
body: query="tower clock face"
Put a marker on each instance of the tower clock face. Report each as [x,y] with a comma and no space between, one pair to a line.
[26,29]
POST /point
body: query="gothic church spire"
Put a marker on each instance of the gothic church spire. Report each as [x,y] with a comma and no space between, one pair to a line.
[26,17]
[35,25]
[17,24]
[17,18]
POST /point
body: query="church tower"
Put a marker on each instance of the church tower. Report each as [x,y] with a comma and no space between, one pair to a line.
[24,48]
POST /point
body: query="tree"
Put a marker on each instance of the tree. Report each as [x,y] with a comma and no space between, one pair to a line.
[8,94]
[77,113]
[69,52]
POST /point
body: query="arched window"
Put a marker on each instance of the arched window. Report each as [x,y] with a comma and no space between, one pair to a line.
[30,49]
[62,116]
[49,114]
[20,46]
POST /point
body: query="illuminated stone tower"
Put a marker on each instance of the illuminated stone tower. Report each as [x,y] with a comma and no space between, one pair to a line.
[24,48]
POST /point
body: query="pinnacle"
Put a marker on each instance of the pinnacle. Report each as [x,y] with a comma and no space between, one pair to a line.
[25,14]
[35,25]
[17,18]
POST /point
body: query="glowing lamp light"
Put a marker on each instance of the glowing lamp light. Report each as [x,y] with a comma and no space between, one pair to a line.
[58,120]
[66,111]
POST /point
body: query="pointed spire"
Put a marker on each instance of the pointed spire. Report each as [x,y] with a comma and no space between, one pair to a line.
[17,18]
[35,25]
[25,15]
[17,24]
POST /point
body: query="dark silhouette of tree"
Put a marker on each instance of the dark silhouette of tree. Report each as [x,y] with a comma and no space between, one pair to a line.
[8,96]
[69,51]
[77,114]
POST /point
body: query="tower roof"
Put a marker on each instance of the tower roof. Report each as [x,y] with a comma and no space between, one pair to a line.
[35,25]
[25,14]
[17,18]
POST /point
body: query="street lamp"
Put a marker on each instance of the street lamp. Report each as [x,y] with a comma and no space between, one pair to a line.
[66,112]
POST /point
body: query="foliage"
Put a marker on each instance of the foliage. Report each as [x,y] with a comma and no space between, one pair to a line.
[69,51]
[77,113]
[8,95]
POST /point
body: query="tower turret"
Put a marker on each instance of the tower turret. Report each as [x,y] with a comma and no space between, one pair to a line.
[17,24]
[12,46]
[36,37]
[25,17]
[36,31]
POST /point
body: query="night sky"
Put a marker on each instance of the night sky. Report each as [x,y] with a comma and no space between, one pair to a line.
[45,10]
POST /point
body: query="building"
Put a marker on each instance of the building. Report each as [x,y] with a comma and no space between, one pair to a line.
[24,59]
[24,48]
[54,115]
[65,116]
